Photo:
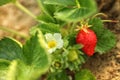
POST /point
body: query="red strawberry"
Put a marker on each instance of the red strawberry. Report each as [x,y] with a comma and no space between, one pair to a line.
[88,39]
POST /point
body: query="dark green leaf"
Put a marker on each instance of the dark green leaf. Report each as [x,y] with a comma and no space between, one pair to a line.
[84,75]
[88,7]
[10,49]
[97,26]
[106,39]
[46,28]
[61,2]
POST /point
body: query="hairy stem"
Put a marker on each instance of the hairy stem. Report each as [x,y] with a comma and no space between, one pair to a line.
[12,31]
[25,10]
[114,21]
[77,2]
[100,14]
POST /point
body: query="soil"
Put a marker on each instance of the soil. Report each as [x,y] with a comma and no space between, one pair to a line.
[13,18]
[104,67]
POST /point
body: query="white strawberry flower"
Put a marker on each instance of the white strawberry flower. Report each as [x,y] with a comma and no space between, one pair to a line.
[54,41]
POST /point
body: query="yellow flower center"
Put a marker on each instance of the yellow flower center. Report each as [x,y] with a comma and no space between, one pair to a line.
[52,44]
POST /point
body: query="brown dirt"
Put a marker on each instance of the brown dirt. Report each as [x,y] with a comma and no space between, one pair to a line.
[105,67]
[13,18]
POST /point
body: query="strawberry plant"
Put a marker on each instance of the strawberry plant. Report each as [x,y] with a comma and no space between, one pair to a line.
[65,36]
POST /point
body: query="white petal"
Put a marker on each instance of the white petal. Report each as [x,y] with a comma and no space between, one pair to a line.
[57,36]
[49,37]
[59,44]
[59,40]
[52,50]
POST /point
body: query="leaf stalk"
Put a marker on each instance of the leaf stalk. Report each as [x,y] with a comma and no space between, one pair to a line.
[18,4]
[12,31]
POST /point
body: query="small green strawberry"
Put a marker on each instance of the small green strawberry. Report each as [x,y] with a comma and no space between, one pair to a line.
[72,55]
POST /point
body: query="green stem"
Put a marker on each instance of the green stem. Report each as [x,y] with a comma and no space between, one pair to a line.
[77,2]
[73,27]
[25,10]
[13,32]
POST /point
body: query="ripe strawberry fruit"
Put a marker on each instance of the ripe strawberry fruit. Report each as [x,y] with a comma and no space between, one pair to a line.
[88,39]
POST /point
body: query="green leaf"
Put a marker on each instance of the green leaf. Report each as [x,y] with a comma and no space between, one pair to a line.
[25,72]
[47,9]
[10,49]
[62,75]
[106,39]
[3,74]
[61,2]
[2,2]
[77,46]
[97,26]
[46,28]
[84,75]
[4,64]
[18,70]
[106,42]
[45,18]
[58,76]
[35,63]
[88,4]
[11,73]
[3,68]
[88,7]
[71,38]
[35,52]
